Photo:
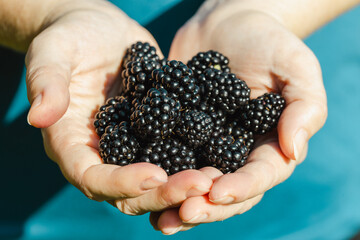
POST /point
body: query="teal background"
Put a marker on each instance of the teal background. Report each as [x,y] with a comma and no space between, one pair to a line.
[319,201]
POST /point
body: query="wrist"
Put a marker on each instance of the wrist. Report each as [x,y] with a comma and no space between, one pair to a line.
[299,16]
[21,21]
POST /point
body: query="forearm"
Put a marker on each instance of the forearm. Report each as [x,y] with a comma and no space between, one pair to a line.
[302,17]
[22,20]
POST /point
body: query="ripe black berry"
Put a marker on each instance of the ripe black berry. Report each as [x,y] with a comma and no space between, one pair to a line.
[235,129]
[178,80]
[226,154]
[224,90]
[137,77]
[195,128]
[209,59]
[114,111]
[263,113]
[118,146]
[140,51]
[156,116]
[169,154]
[218,117]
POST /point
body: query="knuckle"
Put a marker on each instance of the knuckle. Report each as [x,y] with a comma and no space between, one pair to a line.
[89,195]
[319,113]
[222,214]
[83,180]
[166,197]
[126,208]
[323,111]
[87,192]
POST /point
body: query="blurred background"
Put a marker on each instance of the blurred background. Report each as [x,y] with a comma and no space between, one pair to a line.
[321,200]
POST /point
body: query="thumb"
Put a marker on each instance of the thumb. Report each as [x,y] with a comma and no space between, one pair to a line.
[47,79]
[306,105]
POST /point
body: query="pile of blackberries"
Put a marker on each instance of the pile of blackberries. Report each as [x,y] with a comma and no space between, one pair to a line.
[182,116]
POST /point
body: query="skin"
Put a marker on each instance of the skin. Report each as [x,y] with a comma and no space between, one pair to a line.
[72,67]
[270,57]
[74,50]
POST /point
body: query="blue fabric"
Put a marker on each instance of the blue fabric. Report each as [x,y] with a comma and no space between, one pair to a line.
[319,201]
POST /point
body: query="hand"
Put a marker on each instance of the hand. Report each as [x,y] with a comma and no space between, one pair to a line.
[270,59]
[72,67]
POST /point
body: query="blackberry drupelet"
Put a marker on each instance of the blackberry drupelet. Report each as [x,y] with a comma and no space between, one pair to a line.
[178,80]
[226,154]
[163,62]
[156,116]
[209,59]
[118,145]
[263,113]
[235,129]
[169,154]
[137,77]
[195,128]
[114,111]
[140,51]
[224,90]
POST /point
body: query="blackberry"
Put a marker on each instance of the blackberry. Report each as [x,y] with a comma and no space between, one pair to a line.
[224,90]
[226,153]
[156,116]
[169,154]
[218,118]
[263,113]
[118,146]
[178,80]
[137,77]
[235,129]
[195,128]
[140,51]
[114,111]
[209,59]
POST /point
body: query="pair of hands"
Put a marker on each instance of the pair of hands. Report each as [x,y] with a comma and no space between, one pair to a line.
[73,65]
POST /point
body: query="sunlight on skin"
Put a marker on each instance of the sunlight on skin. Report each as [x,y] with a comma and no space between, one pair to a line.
[73,65]
[269,58]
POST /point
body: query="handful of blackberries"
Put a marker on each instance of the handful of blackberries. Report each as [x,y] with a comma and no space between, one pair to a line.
[182,116]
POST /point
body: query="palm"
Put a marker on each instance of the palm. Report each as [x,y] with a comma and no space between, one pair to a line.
[88,56]
[269,58]
[93,48]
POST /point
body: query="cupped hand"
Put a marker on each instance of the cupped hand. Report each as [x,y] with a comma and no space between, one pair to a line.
[270,59]
[73,65]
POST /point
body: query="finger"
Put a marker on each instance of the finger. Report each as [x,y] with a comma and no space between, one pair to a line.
[170,223]
[82,166]
[211,172]
[300,120]
[267,166]
[106,181]
[306,105]
[198,210]
[48,78]
[179,187]
[153,218]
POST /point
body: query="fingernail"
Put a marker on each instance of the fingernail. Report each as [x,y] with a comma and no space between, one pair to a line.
[223,200]
[151,182]
[35,103]
[170,231]
[198,218]
[299,142]
[196,191]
